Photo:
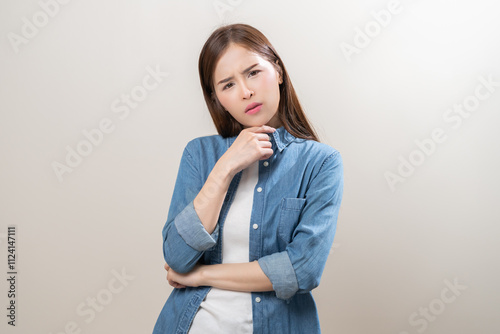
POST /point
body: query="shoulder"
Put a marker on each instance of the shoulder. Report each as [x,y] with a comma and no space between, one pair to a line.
[207,147]
[321,153]
[204,142]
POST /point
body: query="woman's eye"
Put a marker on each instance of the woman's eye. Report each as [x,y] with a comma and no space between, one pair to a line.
[252,73]
[227,86]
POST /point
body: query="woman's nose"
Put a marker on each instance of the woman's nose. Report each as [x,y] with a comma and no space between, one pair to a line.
[246,91]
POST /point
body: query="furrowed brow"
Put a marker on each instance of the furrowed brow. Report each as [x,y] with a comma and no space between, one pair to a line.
[244,71]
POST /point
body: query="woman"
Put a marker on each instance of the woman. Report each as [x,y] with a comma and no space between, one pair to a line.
[254,209]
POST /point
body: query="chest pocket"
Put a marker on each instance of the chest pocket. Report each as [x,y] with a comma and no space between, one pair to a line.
[290,211]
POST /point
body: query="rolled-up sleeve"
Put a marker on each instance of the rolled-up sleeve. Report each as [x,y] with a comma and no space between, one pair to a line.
[184,237]
[299,267]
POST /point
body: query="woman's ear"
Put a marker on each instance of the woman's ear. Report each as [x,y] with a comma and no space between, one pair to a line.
[279,71]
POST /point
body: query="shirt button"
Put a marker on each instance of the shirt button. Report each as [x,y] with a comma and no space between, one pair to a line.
[259,189]
[257,299]
[266,163]
[255,226]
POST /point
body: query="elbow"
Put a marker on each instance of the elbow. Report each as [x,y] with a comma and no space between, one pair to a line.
[286,279]
[178,263]
[309,280]
[286,292]
[308,285]
[179,255]
[172,261]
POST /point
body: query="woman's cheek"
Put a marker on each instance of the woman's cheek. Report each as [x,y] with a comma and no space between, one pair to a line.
[269,81]
[224,101]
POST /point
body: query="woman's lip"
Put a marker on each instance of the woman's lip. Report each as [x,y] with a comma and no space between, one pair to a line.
[254,110]
[252,105]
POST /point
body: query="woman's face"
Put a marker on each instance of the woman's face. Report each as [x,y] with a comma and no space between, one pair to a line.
[242,79]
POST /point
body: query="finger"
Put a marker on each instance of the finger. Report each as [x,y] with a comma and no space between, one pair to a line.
[267,128]
[166,266]
[262,128]
[176,285]
[267,155]
[263,136]
[265,144]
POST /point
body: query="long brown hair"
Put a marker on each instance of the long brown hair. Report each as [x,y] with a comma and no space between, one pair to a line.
[290,112]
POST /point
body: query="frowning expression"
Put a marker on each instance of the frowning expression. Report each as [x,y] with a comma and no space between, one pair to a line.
[247,86]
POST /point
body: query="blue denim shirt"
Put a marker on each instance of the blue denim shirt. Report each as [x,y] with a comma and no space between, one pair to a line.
[295,209]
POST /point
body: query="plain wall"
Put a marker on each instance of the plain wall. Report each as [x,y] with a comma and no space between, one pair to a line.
[416,248]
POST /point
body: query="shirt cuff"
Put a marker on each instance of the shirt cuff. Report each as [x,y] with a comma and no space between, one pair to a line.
[193,232]
[278,268]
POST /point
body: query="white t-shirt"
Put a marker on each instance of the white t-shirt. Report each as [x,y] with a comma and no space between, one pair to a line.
[225,311]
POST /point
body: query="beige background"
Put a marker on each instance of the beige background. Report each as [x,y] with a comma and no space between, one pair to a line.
[395,249]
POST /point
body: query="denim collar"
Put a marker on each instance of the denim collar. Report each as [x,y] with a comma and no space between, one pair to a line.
[281,138]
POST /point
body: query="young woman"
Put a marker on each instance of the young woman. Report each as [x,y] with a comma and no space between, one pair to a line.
[254,209]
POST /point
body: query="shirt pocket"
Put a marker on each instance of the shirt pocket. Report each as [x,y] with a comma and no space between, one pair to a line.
[290,211]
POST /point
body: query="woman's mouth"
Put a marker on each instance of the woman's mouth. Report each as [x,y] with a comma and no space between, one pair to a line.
[253,108]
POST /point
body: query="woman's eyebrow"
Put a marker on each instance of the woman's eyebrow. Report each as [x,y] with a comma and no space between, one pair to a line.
[244,71]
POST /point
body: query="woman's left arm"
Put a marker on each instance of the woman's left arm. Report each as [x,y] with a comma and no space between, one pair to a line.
[247,277]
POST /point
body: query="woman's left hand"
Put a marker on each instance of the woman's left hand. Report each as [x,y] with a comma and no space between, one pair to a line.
[180,281]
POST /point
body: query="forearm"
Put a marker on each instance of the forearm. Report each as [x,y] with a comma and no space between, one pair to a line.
[209,200]
[247,277]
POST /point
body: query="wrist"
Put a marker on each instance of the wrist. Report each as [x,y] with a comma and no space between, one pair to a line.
[203,274]
[224,168]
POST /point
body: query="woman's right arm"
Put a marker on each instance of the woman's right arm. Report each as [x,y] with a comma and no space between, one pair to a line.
[191,226]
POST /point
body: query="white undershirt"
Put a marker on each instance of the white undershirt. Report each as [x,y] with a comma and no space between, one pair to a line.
[225,311]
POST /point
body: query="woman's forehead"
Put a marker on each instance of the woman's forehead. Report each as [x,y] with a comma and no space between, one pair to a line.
[235,60]
[235,55]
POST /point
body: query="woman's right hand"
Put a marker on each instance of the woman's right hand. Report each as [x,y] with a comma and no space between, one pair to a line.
[252,144]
